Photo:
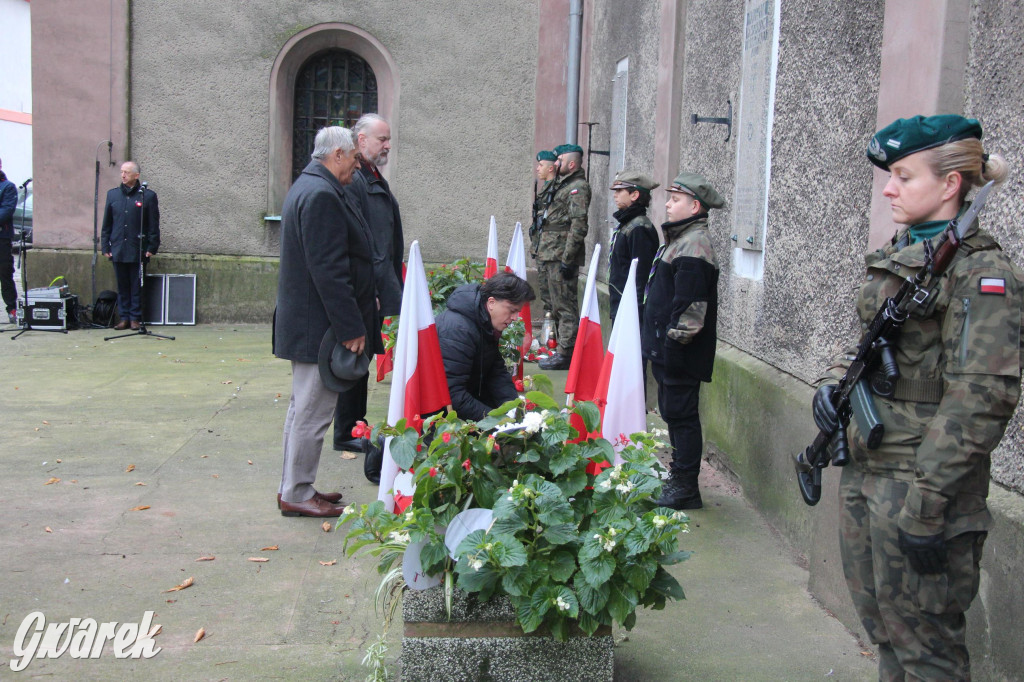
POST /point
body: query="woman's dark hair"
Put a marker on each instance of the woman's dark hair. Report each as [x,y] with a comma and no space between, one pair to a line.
[506,286]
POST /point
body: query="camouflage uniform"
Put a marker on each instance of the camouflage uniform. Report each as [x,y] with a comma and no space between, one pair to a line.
[540,207]
[562,241]
[960,362]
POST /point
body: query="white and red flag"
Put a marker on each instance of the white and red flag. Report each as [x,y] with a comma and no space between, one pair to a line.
[516,264]
[620,386]
[588,354]
[418,385]
[491,266]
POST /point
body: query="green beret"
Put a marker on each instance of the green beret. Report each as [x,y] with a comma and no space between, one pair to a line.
[909,135]
[545,155]
[633,180]
[696,185]
[568,149]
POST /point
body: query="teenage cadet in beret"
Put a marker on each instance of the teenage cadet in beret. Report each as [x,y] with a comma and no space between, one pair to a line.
[634,237]
[679,334]
[914,518]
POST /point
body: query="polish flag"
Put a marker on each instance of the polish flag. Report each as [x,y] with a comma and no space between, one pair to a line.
[419,385]
[516,264]
[491,266]
[589,352]
[620,387]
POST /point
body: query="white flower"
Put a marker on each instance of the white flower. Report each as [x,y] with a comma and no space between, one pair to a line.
[597,536]
[408,516]
[609,546]
[515,483]
[612,532]
[533,422]
[539,529]
[606,484]
[660,521]
[509,498]
[399,538]
[476,564]
[489,546]
[679,516]
[625,487]
[348,510]
[562,604]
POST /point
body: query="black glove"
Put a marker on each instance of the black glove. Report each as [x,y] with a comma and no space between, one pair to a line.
[926,553]
[825,415]
[568,271]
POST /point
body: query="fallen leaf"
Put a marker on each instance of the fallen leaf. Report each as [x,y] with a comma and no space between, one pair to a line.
[59,461]
[250,461]
[171,601]
[199,635]
[259,560]
[37,428]
[53,479]
[271,548]
[155,630]
[74,480]
[243,359]
[226,382]
[348,455]
[187,583]
[326,526]
[140,483]
[46,422]
[130,467]
[141,507]
[328,563]
[215,475]
[203,456]
[279,395]
[335,622]
[49,530]
[206,558]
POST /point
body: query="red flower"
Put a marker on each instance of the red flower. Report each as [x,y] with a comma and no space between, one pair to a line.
[361,429]
[466,465]
[433,472]
[624,439]
[416,423]
[519,385]
[446,437]
[532,357]
[530,405]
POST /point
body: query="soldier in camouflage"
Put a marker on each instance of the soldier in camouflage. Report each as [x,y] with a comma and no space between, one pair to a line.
[914,516]
[561,250]
[546,174]
[679,331]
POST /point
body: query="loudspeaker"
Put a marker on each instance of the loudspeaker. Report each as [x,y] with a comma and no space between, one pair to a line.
[153,299]
[180,302]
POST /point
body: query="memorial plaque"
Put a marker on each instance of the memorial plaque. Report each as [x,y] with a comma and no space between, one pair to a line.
[757,97]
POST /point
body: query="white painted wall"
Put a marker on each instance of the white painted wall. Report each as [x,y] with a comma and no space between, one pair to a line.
[16,88]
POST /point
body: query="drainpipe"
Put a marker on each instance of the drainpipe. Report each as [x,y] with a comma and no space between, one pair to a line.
[572,103]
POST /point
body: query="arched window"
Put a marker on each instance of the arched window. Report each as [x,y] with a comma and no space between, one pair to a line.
[333,87]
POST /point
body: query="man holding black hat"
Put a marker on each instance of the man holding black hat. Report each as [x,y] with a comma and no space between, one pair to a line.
[678,334]
[546,174]
[326,288]
[561,251]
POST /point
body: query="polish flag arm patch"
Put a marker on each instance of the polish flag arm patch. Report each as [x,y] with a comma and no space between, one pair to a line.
[993,285]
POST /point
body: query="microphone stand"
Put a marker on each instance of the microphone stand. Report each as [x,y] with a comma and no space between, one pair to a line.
[96,230]
[142,331]
[26,322]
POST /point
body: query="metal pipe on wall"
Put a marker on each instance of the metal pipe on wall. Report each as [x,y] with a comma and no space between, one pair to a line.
[572,97]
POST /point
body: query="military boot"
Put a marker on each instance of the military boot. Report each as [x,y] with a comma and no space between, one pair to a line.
[556,361]
[679,493]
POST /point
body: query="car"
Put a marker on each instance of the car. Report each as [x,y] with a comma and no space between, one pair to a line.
[23,216]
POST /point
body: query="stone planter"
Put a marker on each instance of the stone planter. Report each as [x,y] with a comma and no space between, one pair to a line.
[482,641]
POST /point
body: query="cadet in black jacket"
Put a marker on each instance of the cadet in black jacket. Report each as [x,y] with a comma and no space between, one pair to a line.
[468,332]
[679,328]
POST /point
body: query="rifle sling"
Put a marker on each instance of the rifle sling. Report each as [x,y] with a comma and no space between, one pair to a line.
[919,390]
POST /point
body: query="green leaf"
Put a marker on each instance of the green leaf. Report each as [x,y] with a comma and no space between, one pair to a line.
[509,525]
[590,413]
[567,596]
[504,408]
[433,555]
[667,585]
[541,382]
[559,627]
[542,400]
[488,423]
[622,601]
[597,568]
[560,533]
[592,599]
[528,455]
[600,447]
[509,551]
[517,581]
[557,432]
[639,539]
[588,623]
[505,508]
[470,543]
[674,557]
[529,618]
[552,507]
[573,482]
[565,457]
[475,581]
[640,573]
[630,621]
[561,565]
[541,599]
[403,449]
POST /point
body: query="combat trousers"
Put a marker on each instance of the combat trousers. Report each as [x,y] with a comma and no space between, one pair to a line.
[917,621]
[544,289]
[678,405]
[350,408]
[565,307]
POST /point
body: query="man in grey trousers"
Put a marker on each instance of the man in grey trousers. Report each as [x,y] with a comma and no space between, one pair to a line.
[326,281]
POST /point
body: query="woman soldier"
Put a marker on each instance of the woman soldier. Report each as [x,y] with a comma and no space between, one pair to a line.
[914,516]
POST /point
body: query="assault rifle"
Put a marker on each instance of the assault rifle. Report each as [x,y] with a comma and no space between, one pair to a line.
[875,351]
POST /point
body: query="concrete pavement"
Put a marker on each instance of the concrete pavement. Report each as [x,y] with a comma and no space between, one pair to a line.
[191,430]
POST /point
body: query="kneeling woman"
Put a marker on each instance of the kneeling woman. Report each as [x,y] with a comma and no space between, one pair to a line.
[914,516]
[468,331]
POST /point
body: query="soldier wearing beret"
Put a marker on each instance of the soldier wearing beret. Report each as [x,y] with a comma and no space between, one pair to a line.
[634,237]
[914,518]
[561,250]
[546,174]
[679,331]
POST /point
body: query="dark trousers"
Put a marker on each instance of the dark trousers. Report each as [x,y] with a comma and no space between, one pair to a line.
[7,290]
[351,407]
[678,405]
[129,300]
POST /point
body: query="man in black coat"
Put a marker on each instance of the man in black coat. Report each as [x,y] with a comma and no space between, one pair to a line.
[468,332]
[131,222]
[326,280]
[380,209]
[8,206]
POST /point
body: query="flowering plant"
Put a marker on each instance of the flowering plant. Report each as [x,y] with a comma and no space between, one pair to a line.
[568,542]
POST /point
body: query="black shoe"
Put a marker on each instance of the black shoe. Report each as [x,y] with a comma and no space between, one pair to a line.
[679,496]
[555,361]
[352,445]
